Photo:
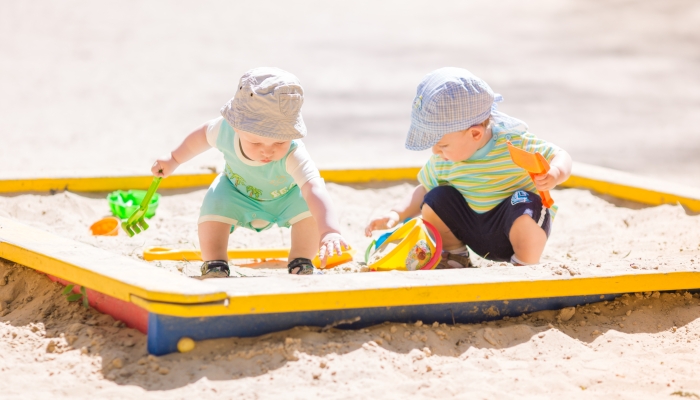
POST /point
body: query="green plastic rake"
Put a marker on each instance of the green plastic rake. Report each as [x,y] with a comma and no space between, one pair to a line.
[137,221]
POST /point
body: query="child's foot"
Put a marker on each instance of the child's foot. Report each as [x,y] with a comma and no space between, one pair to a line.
[301,266]
[215,269]
[449,260]
[516,262]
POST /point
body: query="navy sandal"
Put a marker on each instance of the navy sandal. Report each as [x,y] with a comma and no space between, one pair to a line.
[215,269]
[452,261]
[301,266]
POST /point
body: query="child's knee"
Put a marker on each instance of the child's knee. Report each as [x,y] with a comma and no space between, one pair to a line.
[428,214]
[528,239]
[526,228]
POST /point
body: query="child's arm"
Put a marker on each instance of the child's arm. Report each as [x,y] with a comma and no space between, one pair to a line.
[194,144]
[321,207]
[407,208]
[559,171]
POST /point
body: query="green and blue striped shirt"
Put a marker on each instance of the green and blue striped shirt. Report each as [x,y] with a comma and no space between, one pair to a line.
[489,176]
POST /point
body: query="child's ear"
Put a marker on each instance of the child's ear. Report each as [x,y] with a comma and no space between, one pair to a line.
[476,132]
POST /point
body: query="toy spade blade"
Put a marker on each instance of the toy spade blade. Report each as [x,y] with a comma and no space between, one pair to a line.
[137,221]
[534,164]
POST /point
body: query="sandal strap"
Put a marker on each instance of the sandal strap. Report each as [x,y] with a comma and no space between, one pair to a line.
[215,266]
[463,260]
[306,267]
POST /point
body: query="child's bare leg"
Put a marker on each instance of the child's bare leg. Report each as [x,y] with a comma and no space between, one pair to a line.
[528,239]
[213,240]
[305,239]
[449,241]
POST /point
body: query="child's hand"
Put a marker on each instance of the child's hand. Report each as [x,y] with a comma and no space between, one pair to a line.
[547,181]
[331,242]
[386,222]
[164,167]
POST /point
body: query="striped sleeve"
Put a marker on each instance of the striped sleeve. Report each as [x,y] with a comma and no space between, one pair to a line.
[532,144]
[427,176]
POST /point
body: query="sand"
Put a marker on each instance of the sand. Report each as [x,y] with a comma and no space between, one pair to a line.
[639,346]
[591,234]
[642,345]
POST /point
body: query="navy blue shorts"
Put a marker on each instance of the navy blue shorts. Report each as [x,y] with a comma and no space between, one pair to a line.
[486,234]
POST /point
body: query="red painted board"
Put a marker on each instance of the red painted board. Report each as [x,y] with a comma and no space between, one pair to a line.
[132,315]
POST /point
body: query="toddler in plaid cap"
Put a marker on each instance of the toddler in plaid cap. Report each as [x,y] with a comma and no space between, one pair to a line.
[470,189]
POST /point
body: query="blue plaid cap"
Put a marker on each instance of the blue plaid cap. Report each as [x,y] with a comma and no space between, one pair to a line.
[448,100]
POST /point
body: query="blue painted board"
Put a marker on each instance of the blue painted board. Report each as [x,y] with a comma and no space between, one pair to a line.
[165,331]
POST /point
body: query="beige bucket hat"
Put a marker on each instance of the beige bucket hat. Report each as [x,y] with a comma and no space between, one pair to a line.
[267,103]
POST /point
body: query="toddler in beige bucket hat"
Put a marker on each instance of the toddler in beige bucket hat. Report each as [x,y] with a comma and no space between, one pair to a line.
[268,103]
[269,177]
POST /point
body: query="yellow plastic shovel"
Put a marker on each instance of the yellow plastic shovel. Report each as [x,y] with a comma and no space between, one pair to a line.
[164,253]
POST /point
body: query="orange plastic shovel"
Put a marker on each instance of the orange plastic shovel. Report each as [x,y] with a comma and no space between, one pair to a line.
[534,164]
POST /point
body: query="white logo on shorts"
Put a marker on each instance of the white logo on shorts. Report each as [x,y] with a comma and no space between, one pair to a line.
[520,197]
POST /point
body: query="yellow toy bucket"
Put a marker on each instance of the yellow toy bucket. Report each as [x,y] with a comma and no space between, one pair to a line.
[416,245]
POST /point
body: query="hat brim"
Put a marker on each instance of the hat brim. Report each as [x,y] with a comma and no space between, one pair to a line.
[417,140]
[289,129]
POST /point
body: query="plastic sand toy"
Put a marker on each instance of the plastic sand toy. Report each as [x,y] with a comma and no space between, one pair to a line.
[534,164]
[416,245]
[123,203]
[164,253]
[137,221]
[108,226]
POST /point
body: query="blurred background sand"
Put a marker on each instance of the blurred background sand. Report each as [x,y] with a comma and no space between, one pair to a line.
[90,86]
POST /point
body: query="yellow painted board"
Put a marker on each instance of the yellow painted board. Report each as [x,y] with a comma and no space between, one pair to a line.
[107,183]
[163,292]
[632,187]
[165,253]
[102,183]
[370,175]
[439,290]
[114,275]
[602,180]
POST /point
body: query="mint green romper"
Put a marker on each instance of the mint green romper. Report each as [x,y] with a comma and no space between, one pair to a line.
[244,193]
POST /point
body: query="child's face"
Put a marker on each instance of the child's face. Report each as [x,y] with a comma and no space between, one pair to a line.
[459,146]
[262,149]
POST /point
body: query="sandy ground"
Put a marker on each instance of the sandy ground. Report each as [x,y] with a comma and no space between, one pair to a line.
[641,345]
[588,231]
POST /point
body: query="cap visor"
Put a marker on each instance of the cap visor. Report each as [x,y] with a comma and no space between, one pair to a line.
[418,140]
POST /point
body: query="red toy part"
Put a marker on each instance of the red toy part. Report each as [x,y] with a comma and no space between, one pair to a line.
[438,246]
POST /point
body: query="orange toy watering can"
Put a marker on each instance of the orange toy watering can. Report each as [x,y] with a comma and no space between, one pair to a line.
[534,164]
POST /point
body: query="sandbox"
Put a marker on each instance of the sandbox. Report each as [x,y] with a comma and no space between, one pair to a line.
[580,266]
